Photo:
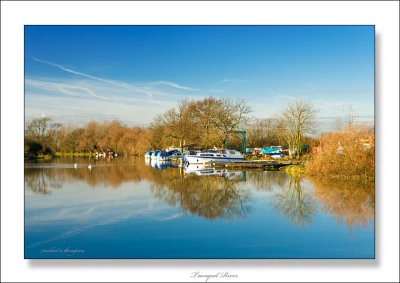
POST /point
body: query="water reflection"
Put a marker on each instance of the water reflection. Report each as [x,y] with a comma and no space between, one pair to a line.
[294,202]
[202,170]
[213,193]
[161,165]
[352,204]
[205,196]
[42,182]
[267,181]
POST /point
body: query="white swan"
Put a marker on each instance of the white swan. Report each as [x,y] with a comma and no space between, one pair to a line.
[90,166]
[76,165]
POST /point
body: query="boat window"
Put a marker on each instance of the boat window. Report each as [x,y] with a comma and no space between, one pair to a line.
[205,154]
[232,152]
[224,152]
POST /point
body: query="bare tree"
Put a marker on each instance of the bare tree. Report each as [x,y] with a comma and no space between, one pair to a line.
[298,119]
[348,120]
[38,128]
[43,131]
[209,122]
[263,132]
[178,122]
[231,116]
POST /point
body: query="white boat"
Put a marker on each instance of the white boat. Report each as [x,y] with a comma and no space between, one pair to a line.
[215,155]
[177,154]
[148,155]
[276,155]
[202,170]
[154,155]
[167,155]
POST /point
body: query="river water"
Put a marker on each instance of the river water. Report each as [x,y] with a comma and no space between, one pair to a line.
[125,208]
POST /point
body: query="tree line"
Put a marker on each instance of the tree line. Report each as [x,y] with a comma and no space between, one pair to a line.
[207,123]
[44,137]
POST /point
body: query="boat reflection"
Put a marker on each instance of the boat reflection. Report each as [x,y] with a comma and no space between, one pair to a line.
[161,165]
[203,170]
[215,193]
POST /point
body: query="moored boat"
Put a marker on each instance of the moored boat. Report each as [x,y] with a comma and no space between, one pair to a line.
[148,155]
[215,155]
[154,155]
[167,155]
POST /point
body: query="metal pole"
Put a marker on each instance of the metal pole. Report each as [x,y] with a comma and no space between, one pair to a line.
[244,142]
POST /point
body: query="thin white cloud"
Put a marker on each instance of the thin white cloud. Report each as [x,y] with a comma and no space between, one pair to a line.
[175,85]
[64,88]
[69,110]
[77,73]
[143,90]
[68,98]
[115,83]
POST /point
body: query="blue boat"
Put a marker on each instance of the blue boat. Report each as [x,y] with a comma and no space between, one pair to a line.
[148,155]
[269,150]
[274,152]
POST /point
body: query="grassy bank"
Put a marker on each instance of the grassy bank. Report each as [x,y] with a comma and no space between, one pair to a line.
[43,157]
[294,170]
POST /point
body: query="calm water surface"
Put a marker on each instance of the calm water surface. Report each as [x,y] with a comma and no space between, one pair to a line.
[125,208]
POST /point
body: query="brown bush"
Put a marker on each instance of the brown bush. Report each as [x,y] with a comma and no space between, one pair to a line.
[345,154]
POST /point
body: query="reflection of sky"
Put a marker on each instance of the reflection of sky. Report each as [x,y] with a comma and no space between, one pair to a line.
[84,208]
[130,222]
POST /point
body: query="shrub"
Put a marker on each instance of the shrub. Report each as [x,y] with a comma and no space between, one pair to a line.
[345,154]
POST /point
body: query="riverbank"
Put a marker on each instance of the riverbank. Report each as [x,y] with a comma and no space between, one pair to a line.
[303,170]
[295,170]
[38,157]
[67,154]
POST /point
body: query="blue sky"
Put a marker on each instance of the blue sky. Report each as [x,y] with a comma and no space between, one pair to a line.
[75,74]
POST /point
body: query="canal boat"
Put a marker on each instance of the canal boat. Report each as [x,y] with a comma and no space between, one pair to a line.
[167,155]
[215,155]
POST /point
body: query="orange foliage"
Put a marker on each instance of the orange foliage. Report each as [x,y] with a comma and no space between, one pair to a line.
[345,154]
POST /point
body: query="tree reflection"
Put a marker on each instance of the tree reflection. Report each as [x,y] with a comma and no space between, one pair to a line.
[41,182]
[267,181]
[103,173]
[223,196]
[294,202]
[350,203]
[210,197]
